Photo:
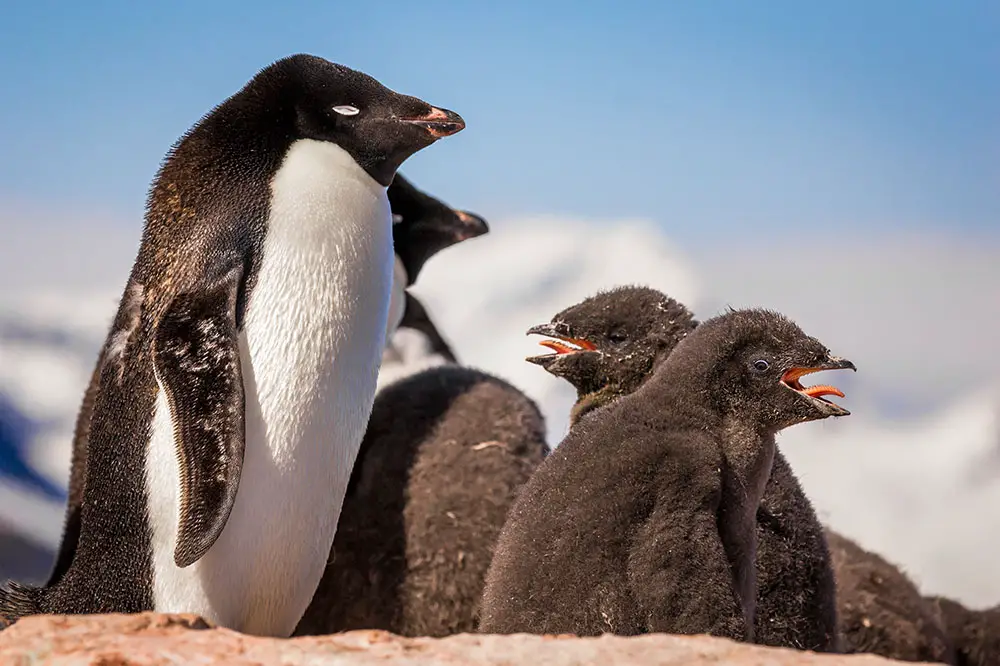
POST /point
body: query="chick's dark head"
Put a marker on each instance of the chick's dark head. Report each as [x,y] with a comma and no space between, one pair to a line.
[613,339]
[750,364]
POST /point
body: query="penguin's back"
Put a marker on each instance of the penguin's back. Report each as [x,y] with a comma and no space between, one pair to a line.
[881,610]
[444,456]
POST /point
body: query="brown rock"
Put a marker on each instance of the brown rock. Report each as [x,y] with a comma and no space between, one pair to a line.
[150,638]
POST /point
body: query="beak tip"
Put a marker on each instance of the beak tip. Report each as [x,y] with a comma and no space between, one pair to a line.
[439,123]
[472,226]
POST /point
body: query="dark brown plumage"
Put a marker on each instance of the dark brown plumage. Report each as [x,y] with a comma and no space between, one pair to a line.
[881,610]
[444,455]
[632,329]
[644,518]
[974,634]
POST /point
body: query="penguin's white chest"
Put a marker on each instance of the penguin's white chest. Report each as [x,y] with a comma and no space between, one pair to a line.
[312,340]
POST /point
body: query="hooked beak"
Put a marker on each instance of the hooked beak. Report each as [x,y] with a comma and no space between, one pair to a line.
[439,122]
[560,342]
[468,225]
[815,393]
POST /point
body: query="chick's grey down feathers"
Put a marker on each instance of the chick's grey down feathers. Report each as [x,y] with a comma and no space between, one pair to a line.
[444,455]
[974,634]
[634,329]
[644,518]
[877,608]
[881,610]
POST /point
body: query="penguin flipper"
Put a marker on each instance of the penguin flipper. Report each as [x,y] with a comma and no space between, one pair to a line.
[197,360]
[17,601]
[415,316]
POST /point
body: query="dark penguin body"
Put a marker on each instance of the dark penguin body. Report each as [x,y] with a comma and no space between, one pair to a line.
[881,610]
[422,227]
[606,347]
[644,518]
[974,634]
[444,455]
[261,287]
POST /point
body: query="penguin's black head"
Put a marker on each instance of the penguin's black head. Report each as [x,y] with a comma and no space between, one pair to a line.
[614,339]
[751,363]
[378,127]
[423,225]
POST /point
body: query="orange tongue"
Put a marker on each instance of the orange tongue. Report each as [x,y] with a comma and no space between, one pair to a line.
[817,391]
[562,348]
[557,346]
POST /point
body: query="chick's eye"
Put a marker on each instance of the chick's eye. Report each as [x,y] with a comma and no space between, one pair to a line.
[346,110]
[760,365]
[617,337]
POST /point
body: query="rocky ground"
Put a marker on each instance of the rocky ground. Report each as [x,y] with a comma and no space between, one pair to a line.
[151,638]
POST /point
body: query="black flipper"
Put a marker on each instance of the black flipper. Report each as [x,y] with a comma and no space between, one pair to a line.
[17,601]
[415,316]
[197,360]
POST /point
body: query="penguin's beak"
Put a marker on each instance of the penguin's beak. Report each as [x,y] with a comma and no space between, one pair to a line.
[560,342]
[791,379]
[468,225]
[438,122]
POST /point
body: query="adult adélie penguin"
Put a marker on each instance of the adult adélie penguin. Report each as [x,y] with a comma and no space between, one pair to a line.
[237,378]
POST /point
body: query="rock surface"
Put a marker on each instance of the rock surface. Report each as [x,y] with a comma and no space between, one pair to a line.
[151,638]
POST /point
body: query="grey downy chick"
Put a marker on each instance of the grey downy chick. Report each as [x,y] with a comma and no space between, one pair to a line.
[644,518]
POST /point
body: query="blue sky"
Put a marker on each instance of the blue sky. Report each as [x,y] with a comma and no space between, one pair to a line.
[732,117]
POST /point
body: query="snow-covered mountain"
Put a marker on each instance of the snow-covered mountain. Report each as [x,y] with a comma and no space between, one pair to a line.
[913,473]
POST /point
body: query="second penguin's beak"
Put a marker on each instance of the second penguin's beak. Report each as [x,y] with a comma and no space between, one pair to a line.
[438,122]
[468,225]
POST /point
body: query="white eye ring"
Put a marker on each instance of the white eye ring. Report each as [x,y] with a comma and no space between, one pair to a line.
[346,110]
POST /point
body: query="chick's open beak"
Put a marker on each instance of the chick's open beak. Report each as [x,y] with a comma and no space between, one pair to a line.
[792,376]
[559,342]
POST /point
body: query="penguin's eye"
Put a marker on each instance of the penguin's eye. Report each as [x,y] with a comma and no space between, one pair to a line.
[346,110]
[760,365]
[396,218]
[617,337]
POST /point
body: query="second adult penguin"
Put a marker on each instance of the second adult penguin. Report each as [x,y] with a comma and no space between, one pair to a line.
[422,226]
[239,373]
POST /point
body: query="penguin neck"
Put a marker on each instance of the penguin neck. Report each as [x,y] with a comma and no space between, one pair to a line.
[748,457]
[588,402]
